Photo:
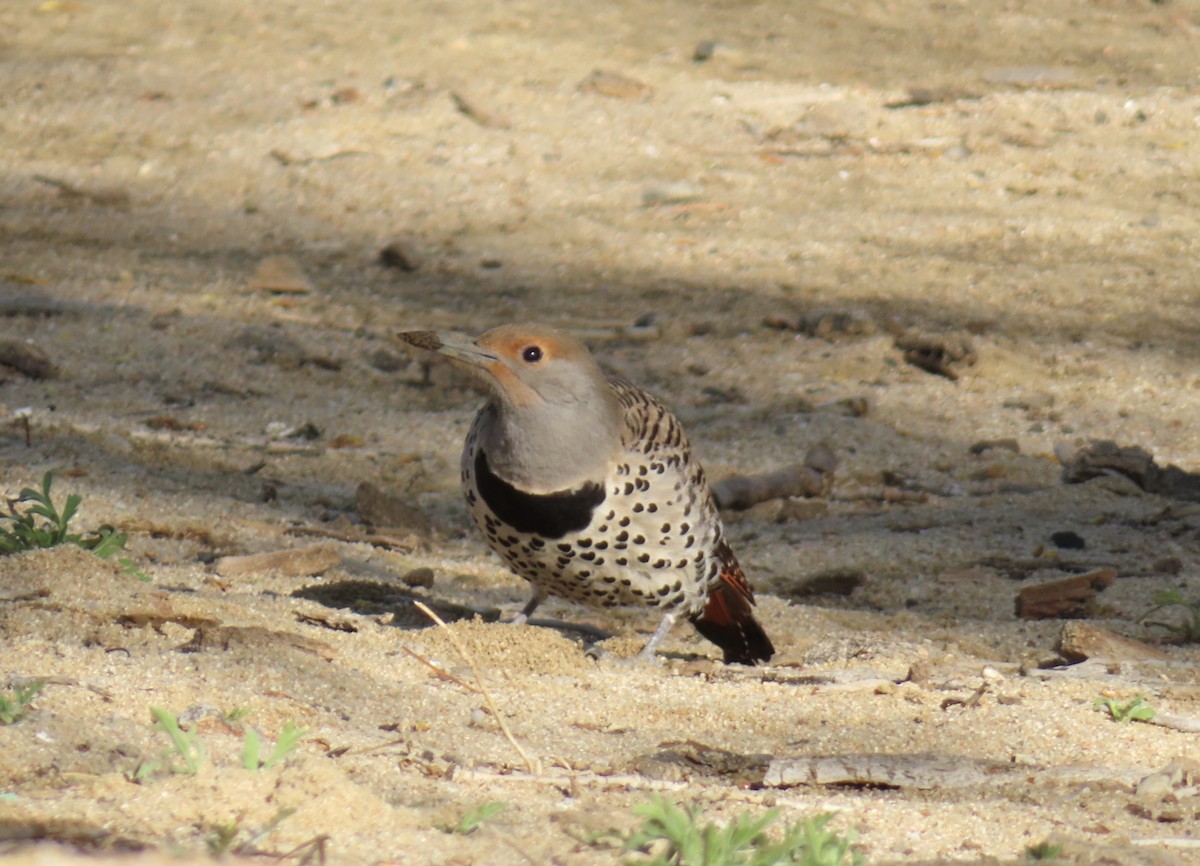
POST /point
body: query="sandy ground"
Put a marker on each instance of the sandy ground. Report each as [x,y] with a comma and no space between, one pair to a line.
[1020,173]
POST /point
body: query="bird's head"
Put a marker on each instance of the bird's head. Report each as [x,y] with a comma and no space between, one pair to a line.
[525,366]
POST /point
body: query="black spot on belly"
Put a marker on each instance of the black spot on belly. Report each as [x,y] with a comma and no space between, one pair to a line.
[551,515]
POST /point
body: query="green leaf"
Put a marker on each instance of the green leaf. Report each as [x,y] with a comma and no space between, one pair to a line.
[186,745]
[250,749]
[1137,710]
[287,740]
[474,818]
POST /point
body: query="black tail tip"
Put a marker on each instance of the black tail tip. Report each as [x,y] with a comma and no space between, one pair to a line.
[743,642]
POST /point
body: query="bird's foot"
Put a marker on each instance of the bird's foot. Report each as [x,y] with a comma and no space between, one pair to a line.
[608,657]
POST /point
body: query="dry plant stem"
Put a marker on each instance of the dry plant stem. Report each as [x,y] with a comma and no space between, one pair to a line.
[532,765]
[446,675]
[1168,842]
[388,542]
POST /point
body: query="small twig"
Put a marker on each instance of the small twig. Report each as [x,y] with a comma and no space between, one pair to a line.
[382,747]
[511,844]
[313,848]
[532,765]
[386,542]
[24,682]
[469,108]
[444,674]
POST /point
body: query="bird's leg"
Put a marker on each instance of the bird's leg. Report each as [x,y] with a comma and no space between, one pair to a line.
[647,653]
[539,595]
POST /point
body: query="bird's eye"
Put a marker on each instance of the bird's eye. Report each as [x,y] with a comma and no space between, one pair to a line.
[531,354]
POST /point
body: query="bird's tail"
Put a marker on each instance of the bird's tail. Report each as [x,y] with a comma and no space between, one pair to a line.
[728,618]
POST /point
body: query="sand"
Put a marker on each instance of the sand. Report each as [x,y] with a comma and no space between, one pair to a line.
[1021,176]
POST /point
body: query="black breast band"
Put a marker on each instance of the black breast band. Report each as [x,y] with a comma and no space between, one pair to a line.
[550,515]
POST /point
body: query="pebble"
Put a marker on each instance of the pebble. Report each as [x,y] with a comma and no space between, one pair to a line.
[614,85]
[280,275]
[678,192]
[400,256]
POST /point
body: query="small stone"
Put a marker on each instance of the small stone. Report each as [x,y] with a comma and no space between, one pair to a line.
[400,256]
[280,275]
[679,192]
[419,577]
[1068,541]
[614,85]
[985,445]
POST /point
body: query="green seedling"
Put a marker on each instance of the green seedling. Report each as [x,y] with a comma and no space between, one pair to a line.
[15,708]
[1136,710]
[1188,626]
[474,818]
[1043,851]
[25,531]
[231,838]
[109,542]
[184,745]
[21,529]
[743,841]
[285,742]
[234,715]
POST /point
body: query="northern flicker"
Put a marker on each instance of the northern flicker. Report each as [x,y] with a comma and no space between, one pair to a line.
[587,487]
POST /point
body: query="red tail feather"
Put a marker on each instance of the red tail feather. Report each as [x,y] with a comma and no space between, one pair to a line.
[728,618]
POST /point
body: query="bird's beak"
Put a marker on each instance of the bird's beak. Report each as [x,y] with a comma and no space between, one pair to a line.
[456,347]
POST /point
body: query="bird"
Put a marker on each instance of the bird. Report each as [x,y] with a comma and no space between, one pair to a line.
[587,487]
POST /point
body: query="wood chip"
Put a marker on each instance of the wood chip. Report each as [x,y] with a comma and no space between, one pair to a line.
[1080,641]
[298,562]
[1068,597]
[27,359]
[280,275]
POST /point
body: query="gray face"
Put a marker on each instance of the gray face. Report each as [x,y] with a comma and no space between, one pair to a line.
[556,423]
